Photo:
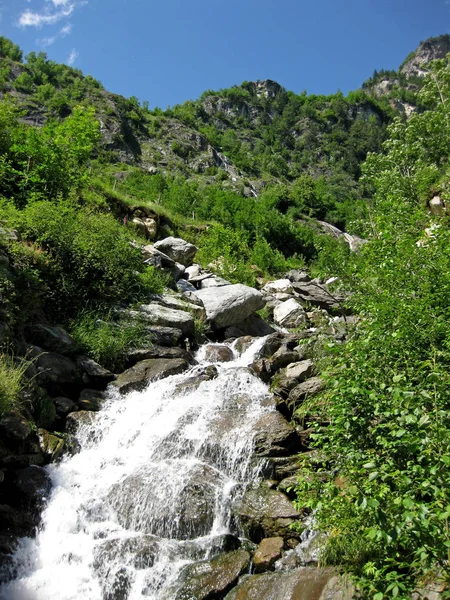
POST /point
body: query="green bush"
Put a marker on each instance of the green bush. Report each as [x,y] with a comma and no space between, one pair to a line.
[11,383]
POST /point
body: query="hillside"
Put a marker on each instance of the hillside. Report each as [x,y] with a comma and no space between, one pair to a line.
[257,178]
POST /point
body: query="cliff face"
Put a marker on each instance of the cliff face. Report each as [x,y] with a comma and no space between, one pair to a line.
[431,49]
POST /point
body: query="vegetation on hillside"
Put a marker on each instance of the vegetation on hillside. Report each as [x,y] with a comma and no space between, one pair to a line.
[386,504]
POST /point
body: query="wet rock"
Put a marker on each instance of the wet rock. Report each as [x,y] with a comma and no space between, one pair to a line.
[275,436]
[211,579]
[301,584]
[64,406]
[139,552]
[177,249]
[267,553]
[51,445]
[218,353]
[53,338]
[145,371]
[90,400]
[243,343]
[183,508]
[76,420]
[190,384]
[17,522]
[263,512]
[30,487]
[287,486]
[230,304]
[168,317]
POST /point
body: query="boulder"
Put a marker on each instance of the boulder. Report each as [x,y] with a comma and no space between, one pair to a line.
[155,258]
[274,436]
[189,385]
[255,326]
[169,317]
[164,336]
[263,512]
[186,509]
[289,314]
[282,286]
[77,420]
[179,303]
[301,584]
[154,351]
[193,271]
[53,369]
[92,373]
[90,400]
[304,390]
[315,294]
[218,353]
[267,553]
[51,445]
[53,338]
[212,282]
[30,486]
[298,276]
[64,406]
[437,207]
[291,376]
[145,371]
[210,579]
[185,286]
[177,249]
[243,343]
[230,304]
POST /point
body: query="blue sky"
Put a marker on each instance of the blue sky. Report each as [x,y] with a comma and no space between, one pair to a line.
[170,51]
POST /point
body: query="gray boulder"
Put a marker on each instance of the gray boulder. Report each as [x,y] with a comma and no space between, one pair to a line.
[145,371]
[267,553]
[289,314]
[168,317]
[53,338]
[155,258]
[314,294]
[179,250]
[230,304]
[274,436]
[212,282]
[218,353]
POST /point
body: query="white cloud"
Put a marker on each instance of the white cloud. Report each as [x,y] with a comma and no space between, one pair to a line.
[72,57]
[49,41]
[66,30]
[30,18]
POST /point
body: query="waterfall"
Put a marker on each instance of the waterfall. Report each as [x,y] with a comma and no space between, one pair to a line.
[149,492]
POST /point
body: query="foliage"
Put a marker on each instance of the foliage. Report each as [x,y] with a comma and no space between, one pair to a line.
[11,382]
[106,338]
[388,396]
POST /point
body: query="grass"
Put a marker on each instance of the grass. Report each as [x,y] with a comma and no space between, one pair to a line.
[11,383]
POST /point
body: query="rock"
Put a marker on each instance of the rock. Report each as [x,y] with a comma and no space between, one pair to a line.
[179,303]
[77,420]
[53,338]
[288,485]
[164,336]
[211,579]
[193,271]
[243,343]
[298,276]
[64,406]
[291,376]
[155,258]
[151,228]
[263,512]
[289,314]
[145,371]
[90,400]
[282,358]
[230,304]
[169,317]
[275,436]
[213,282]
[177,249]
[51,445]
[255,326]
[318,295]
[185,286]
[279,286]
[301,584]
[304,390]
[191,384]
[14,427]
[53,370]
[137,354]
[218,353]
[184,511]
[17,522]
[437,206]
[31,485]
[140,226]
[267,553]
[92,373]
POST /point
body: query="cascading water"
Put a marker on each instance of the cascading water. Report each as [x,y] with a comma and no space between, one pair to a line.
[150,490]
